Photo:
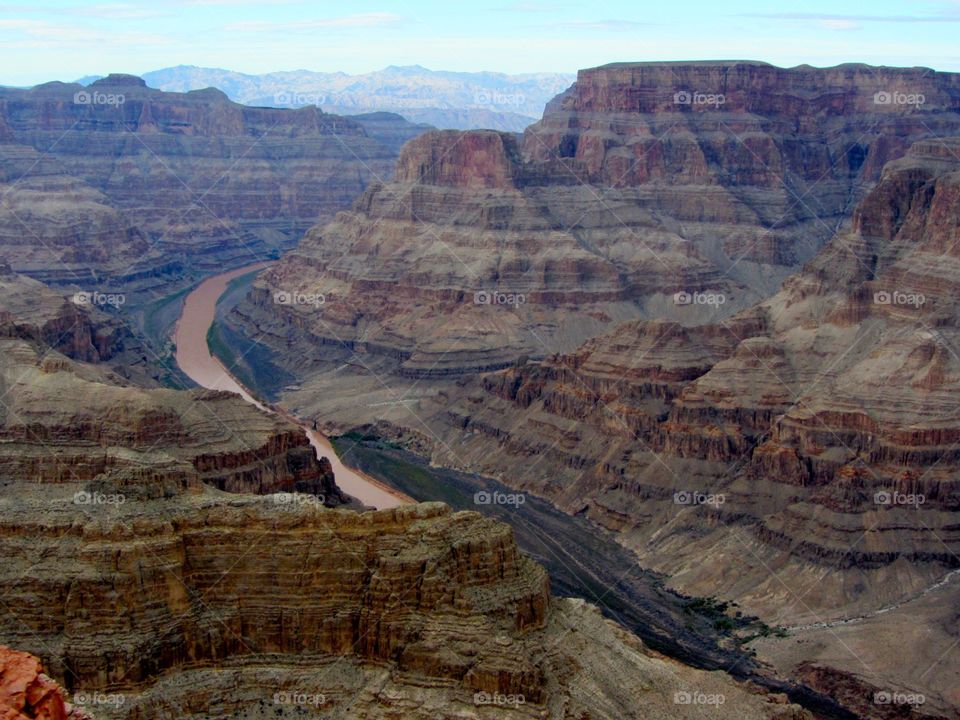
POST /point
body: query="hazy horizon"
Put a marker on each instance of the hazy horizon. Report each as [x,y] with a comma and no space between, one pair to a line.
[39,42]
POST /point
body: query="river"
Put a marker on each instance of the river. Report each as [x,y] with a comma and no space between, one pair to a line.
[195,359]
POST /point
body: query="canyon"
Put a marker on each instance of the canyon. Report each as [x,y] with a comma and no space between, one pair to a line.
[182,554]
[792,449]
[120,183]
[623,202]
[701,314]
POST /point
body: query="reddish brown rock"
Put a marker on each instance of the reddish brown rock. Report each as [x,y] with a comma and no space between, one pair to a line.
[635,186]
[26,693]
[481,159]
[57,407]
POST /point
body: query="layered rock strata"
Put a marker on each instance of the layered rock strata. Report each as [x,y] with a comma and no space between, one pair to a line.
[66,420]
[662,190]
[210,605]
[799,456]
[166,555]
[125,181]
[816,412]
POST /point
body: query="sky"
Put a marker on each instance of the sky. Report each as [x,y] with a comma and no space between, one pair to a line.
[42,40]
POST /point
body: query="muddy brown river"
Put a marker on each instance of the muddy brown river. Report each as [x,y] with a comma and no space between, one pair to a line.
[195,359]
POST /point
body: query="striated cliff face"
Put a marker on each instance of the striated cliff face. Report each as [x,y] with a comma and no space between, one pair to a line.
[840,387]
[800,457]
[661,190]
[201,605]
[68,420]
[127,181]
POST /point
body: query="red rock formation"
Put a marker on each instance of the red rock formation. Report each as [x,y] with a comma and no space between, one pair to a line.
[481,159]
[26,693]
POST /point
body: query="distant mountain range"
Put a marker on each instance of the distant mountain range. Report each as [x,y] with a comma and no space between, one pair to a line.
[456,100]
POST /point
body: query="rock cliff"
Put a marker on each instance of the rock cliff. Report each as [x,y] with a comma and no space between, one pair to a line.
[661,190]
[204,605]
[65,419]
[125,181]
[798,455]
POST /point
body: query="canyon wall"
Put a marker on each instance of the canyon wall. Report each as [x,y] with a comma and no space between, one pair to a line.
[124,181]
[659,190]
[791,446]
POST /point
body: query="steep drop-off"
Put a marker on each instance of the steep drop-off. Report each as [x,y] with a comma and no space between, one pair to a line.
[171,554]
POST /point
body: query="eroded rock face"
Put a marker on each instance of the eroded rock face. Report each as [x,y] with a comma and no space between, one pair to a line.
[657,190]
[201,605]
[800,457]
[65,420]
[27,693]
[840,387]
[126,181]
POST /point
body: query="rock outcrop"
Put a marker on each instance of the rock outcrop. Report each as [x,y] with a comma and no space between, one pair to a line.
[684,191]
[205,605]
[68,420]
[26,693]
[121,180]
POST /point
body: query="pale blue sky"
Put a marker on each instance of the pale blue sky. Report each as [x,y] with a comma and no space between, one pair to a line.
[63,39]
